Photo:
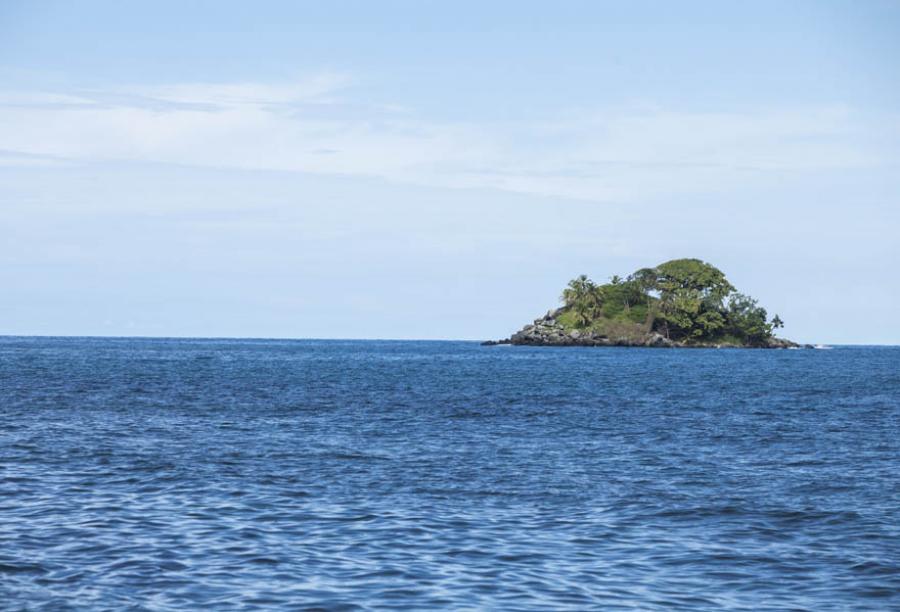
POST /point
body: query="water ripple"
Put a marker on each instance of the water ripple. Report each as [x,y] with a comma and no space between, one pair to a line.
[241,475]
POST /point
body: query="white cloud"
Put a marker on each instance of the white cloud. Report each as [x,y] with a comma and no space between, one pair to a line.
[619,154]
[316,88]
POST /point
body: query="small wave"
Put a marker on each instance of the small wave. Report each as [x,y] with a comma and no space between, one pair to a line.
[489,480]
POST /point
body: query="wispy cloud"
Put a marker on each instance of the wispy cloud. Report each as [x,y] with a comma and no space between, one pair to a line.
[33,99]
[614,154]
[22,159]
[318,88]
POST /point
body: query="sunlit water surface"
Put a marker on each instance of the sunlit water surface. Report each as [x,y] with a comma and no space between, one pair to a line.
[190,474]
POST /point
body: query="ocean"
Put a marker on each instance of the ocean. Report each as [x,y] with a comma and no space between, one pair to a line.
[271,474]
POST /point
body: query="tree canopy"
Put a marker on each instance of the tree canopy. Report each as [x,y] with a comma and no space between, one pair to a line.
[683,299]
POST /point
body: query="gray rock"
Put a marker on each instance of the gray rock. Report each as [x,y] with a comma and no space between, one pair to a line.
[548,331]
[658,340]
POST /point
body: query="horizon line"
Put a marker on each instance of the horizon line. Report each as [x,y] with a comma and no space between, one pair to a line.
[332,339]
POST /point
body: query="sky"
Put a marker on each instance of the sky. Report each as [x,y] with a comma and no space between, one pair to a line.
[425,170]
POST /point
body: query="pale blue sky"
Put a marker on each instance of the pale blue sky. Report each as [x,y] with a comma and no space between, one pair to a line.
[440,170]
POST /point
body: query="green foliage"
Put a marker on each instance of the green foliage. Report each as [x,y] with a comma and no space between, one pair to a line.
[568,319]
[692,275]
[685,299]
[747,319]
[644,279]
[638,313]
[691,293]
[619,327]
[583,298]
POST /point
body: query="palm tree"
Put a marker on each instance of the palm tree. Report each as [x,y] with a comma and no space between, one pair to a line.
[583,297]
[576,289]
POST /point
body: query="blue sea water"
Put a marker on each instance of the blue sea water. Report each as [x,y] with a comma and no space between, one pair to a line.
[223,474]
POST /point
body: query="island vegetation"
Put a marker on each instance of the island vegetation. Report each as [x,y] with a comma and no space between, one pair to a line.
[683,302]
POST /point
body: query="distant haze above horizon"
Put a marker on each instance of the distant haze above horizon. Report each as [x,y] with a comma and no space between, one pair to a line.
[439,171]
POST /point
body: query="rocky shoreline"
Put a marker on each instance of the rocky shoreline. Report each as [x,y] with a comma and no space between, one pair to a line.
[547,331]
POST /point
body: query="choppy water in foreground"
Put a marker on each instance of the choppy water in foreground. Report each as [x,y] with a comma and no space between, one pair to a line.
[180,474]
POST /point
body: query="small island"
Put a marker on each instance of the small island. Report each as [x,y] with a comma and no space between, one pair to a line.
[680,303]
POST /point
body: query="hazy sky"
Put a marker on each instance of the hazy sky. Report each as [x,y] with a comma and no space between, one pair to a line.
[440,170]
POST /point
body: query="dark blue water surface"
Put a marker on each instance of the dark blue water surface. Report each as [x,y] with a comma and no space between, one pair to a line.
[181,474]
